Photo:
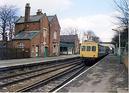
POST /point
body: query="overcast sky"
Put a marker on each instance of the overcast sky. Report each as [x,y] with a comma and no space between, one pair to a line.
[95,15]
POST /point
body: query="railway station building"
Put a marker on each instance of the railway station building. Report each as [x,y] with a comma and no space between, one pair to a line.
[39,33]
[69,44]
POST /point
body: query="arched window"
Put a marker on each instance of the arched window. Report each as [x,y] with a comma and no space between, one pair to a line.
[55,35]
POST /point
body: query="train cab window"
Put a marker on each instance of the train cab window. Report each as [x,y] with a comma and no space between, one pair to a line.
[93,48]
[88,48]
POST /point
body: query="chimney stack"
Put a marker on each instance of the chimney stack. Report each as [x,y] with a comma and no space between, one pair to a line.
[39,12]
[27,12]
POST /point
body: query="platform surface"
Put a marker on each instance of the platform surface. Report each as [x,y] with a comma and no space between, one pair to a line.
[15,62]
[106,76]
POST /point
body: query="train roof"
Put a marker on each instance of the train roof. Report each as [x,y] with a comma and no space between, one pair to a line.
[93,42]
[89,42]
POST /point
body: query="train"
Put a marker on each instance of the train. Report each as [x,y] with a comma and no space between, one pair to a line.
[91,51]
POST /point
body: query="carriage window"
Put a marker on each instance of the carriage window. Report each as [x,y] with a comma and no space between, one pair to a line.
[88,48]
[83,48]
[93,48]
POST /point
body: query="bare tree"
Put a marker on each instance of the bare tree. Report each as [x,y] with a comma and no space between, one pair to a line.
[90,35]
[70,31]
[123,8]
[7,19]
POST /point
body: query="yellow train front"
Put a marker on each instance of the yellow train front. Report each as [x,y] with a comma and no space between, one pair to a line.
[91,51]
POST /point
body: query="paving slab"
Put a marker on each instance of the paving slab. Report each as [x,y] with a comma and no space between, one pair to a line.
[106,76]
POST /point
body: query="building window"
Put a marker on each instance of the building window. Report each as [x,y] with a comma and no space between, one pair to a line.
[21,45]
[44,33]
[55,35]
[27,26]
[50,25]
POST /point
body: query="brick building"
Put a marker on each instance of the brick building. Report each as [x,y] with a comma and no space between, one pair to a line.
[69,44]
[40,33]
[54,30]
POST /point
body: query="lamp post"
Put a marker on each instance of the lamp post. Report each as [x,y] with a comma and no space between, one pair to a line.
[119,50]
[119,45]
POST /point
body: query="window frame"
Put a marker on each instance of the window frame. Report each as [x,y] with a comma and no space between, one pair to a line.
[21,45]
[88,48]
[82,48]
[94,48]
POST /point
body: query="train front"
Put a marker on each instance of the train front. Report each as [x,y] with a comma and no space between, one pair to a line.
[89,51]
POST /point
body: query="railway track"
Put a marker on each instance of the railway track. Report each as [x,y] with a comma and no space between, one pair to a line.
[23,69]
[54,84]
[27,81]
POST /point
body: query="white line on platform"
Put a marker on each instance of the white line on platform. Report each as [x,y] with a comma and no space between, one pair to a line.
[74,78]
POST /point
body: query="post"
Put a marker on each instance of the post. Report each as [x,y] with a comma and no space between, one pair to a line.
[119,51]
[119,47]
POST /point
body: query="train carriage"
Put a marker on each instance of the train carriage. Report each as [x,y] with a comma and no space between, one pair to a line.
[91,51]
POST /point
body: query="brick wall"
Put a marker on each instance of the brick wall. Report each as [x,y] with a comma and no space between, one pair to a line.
[29,27]
[25,42]
[44,26]
[54,28]
[77,46]
[19,27]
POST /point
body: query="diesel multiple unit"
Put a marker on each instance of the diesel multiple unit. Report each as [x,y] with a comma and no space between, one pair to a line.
[90,50]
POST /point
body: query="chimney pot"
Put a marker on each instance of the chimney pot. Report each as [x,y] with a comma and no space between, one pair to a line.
[39,12]
[27,4]
[27,12]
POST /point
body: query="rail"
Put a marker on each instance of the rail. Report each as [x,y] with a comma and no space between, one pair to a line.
[12,83]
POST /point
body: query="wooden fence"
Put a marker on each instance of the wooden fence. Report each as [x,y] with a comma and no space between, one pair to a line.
[14,53]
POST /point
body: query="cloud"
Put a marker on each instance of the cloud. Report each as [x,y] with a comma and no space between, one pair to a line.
[101,24]
[50,6]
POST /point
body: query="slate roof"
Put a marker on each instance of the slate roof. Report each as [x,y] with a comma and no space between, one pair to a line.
[67,44]
[68,38]
[50,17]
[26,35]
[33,18]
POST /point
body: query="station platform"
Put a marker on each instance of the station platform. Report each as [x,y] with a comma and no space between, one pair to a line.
[106,76]
[16,62]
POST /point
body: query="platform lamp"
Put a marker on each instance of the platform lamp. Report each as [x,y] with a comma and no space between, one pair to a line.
[119,51]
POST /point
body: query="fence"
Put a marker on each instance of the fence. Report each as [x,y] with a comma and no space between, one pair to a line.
[14,53]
